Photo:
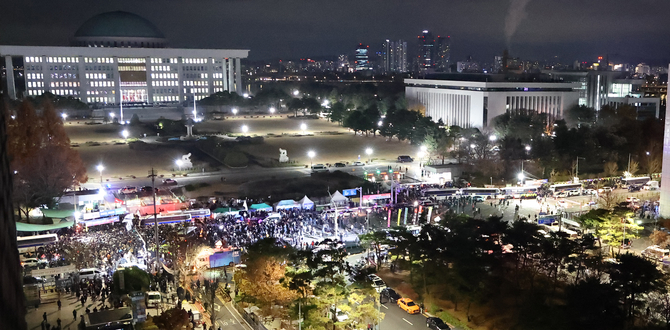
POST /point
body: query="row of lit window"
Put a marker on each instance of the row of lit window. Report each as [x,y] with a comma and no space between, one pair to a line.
[64,76]
[196,90]
[217,75]
[35,84]
[100,99]
[33,59]
[165,83]
[64,84]
[194,60]
[35,92]
[197,97]
[97,92]
[218,83]
[168,98]
[35,75]
[203,76]
[102,84]
[62,59]
[164,76]
[62,67]
[96,76]
[166,91]
[195,83]
[163,60]
[132,60]
[132,68]
[98,67]
[98,60]
[133,83]
[65,91]
[160,68]
[216,90]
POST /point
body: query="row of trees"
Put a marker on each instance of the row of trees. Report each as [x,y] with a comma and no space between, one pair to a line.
[514,276]
[41,158]
[292,284]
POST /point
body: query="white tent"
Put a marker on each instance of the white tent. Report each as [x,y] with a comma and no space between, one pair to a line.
[286,204]
[306,203]
[338,198]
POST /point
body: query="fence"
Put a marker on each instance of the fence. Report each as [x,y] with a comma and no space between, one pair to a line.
[254,320]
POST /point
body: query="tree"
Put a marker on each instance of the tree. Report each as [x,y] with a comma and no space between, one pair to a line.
[311,104]
[632,277]
[43,163]
[338,112]
[172,319]
[633,168]
[295,105]
[134,279]
[357,121]
[611,168]
[660,238]
[135,120]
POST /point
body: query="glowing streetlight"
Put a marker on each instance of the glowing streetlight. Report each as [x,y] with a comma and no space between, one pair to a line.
[424,148]
[527,148]
[493,138]
[311,155]
[380,123]
[234,111]
[179,163]
[64,115]
[368,151]
[416,203]
[245,95]
[521,176]
[303,127]
[245,128]
[296,92]
[111,115]
[272,110]
[473,146]
[100,168]
[125,134]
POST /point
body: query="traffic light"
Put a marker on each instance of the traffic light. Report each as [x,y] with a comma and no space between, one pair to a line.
[390,171]
[379,172]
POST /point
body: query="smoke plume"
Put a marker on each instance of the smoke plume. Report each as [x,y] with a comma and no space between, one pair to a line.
[515,14]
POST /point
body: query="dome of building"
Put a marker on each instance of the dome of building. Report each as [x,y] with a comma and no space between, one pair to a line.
[119,29]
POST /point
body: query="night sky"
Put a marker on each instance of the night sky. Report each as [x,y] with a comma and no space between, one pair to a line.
[538,29]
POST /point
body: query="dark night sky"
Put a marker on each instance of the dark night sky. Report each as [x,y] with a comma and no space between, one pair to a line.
[572,29]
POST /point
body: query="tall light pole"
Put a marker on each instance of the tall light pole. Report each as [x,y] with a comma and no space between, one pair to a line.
[100,168]
[234,111]
[179,164]
[153,175]
[272,110]
[577,167]
[125,134]
[311,155]
[64,115]
[195,111]
[303,127]
[245,129]
[368,151]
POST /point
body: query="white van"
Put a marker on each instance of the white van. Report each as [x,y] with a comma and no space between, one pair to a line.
[197,318]
[651,185]
[153,298]
[90,273]
[319,168]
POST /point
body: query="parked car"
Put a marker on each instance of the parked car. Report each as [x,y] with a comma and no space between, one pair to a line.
[632,199]
[340,165]
[390,294]
[319,168]
[357,163]
[29,262]
[128,190]
[405,159]
[436,323]
[377,282]
[561,194]
[408,306]
[170,182]
[90,273]
[341,315]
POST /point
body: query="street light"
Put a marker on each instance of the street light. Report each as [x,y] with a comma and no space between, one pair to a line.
[234,111]
[380,123]
[111,115]
[245,128]
[527,148]
[473,146]
[311,155]
[272,110]
[493,138]
[179,163]
[303,127]
[100,168]
[296,92]
[368,151]
[125,134]
[64,115]
[520,176]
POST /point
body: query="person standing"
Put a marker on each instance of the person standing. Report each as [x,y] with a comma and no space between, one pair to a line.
[59,304]
[74,313]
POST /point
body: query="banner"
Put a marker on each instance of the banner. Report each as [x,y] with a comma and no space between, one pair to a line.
[53,271]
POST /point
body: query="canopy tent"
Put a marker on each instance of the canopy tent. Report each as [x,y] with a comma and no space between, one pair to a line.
[58,214]
[31,227]
[338,198]
[224,210]
[286,204]
[306,203]
[261,207]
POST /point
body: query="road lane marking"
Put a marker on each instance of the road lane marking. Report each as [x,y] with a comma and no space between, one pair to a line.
[385,306]
[410,323]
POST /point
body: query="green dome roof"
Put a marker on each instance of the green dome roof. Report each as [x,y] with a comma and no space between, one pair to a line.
[118,24]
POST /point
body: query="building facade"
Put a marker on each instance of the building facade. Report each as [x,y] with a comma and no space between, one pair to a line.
[363,58]
[120,57]
[476,103]
[394,56]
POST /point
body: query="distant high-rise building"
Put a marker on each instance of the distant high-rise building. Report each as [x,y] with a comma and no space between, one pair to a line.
[426,54]
[443,54]
[343,63]
[394,56]
[362,58]
[498,64]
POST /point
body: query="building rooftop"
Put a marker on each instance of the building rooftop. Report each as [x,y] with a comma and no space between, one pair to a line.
[118,24]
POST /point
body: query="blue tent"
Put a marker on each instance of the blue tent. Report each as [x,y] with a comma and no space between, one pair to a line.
[286,204]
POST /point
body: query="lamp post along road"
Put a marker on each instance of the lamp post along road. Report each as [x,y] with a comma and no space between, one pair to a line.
[152,174]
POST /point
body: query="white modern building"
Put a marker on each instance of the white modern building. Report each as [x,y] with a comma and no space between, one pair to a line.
[120,54]
[470,103]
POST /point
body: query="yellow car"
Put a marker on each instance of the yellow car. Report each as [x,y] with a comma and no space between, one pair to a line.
[408,305]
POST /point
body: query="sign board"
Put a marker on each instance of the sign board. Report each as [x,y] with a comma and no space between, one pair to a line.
[350,192]
[376,196]
[53,271]
[104,213]
[547,220]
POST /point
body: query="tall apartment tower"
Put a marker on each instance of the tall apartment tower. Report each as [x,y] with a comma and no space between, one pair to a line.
[443,53]
[426,54]
[363,58]
[394,56]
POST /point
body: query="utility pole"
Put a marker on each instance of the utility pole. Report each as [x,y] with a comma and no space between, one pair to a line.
[153,175]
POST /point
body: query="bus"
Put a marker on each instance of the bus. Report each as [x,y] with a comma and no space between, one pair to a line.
[520,192]
[199,213]
[638,182]
[31,243]
[166,218]
[572,189]
[440,194]
[485,193]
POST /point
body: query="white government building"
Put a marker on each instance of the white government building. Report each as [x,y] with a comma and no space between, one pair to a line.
[466,101]
[120,53]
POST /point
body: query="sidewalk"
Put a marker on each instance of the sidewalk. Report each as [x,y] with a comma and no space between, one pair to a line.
[69,303]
